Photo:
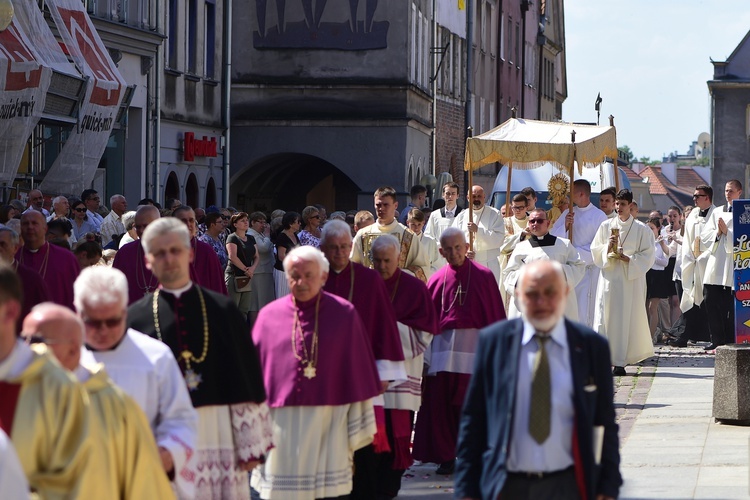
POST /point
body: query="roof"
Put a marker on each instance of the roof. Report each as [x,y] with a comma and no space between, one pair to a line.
[631,174]
[687,179]
[660,185]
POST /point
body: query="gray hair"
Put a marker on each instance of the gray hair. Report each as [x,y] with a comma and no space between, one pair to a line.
[163,226]
[450,233]
[385,241]
[114,198]
[13,235]
[335,229]
[128,220]
[338,215]
[308,254]
[14,225]
[58,199]
[100,286]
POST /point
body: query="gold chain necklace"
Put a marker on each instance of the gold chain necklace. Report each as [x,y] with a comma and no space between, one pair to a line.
[192,379]
[310,359]
[43,267]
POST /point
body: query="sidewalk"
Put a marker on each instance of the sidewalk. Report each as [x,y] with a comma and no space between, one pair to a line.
[671,448]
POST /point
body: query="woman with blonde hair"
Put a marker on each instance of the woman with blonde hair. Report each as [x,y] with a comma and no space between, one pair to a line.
[310,235]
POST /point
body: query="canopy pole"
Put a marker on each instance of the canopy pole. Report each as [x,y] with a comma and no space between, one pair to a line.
[507,191]
[571,173]
[470,133]
[614,160]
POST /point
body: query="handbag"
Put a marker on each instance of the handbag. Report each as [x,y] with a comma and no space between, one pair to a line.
[242,284]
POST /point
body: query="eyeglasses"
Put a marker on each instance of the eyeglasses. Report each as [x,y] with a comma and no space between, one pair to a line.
[695,196]
[537,221]
[517,208]
[79,209]
[101,323]
[38,338]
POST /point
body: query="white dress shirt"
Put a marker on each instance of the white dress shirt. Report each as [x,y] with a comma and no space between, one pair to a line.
[556,453]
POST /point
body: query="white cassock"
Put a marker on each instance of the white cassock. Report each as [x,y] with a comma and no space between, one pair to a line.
[434,228]
[430,247]
[146,370]
[720,264]
[514,228]
[694,258]
[408,395]
[12,478]
[488,238]
[621,295]
[586,223]
[546,248]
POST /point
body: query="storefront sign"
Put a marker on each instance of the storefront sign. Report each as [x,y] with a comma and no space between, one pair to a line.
[193,147]
[24,80]
[741,256]
[75,166]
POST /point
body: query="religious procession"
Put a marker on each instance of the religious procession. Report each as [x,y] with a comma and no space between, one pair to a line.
[177,352]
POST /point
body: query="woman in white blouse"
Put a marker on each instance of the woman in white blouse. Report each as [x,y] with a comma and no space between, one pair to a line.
[658,284]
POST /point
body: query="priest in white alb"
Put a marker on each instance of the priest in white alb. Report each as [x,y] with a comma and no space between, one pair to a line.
[142,367]
[543,246]
[489,231]
[584,222]
[624,250]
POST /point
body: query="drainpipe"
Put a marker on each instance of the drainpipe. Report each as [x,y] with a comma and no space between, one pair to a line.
[435,60]
[524,10]
[159,67]
[226,91]
[469,77]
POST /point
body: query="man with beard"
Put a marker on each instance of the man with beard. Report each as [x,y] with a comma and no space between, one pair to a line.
[519,441]
[467,298]
[488,229]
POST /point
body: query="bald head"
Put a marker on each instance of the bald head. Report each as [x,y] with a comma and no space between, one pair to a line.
[145,215]
[541,293]
[36,199]
[33,229]
[60,329]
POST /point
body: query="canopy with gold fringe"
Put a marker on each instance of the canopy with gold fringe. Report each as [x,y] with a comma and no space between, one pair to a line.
[526,144]
[531,143]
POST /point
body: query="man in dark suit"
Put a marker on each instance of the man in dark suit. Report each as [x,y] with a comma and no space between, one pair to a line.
[539,418]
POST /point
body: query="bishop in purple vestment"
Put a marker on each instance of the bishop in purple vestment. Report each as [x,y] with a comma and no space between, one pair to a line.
[131,259]
[467,298]
[206,268]
[58,267]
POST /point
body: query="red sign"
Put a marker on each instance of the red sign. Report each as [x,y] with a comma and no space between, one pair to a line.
[23,70]
[198,147]
[106,91]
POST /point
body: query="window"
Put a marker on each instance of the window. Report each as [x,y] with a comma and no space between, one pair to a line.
[413,42]
[502,38]
[517,45]
[509,45]
[210,39]
[172,35]
[192,42]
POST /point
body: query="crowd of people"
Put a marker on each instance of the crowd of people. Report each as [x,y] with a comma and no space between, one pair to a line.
[210,353]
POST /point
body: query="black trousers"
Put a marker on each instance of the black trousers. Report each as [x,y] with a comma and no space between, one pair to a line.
[365,480]
[719,301]
[558,486]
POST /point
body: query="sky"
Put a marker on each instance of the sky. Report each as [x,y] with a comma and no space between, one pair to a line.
[650,60]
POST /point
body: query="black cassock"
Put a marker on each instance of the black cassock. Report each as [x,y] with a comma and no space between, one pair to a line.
[230,372]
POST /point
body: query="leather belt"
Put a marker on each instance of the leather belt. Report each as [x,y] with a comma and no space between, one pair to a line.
[538,476]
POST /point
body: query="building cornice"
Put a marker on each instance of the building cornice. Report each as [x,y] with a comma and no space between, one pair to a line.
[127,38]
